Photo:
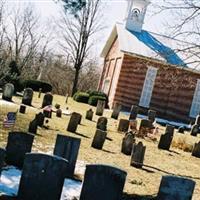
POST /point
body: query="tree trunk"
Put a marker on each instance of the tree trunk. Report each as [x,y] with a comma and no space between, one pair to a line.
[75,83]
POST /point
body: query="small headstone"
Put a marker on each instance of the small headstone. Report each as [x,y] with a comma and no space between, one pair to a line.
[196,150]
[22,109]
[151,115]
[116,111]
[127,143]
[42,177]
[73,122]
[17,146]
[47,100]
[166,139]
[99,139]
[8,91]
[123,125]
[27,96]
[175,188]
[133,112]
[89,114]
[137,155]
[33,125]
[181,129]
[59,113]
[197,121]
[67,148]
[103,182]
[2,158]
[133,125]
[145,128]
[100,107]
[195,130]
[40,119]
[47,113]
[102,123]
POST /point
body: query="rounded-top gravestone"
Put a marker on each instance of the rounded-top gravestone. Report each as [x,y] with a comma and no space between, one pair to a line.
[47,100]
[8,92]
[27,96]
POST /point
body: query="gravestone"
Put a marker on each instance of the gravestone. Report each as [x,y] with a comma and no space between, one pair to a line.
[145,128]
[89,114]
[197,121]
[18,145]
[151,115]
[102,182]
[22,109]
[133,112]
[8,91]
[27,96]
[166,139]
[68,148]
[47,100]
[137,155]
[196,150]
[99,139]
[73,122]
[127,143]
[102,123]
[2,158]
[123,125]
[42,177]
[40,119]
[100,107]
[59,113]
[47,113]
[133,125]
[175,188]
[40,92]
[116,111]
[181,129]
[195,130]
[33,125]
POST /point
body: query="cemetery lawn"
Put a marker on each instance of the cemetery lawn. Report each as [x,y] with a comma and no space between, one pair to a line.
[142,183]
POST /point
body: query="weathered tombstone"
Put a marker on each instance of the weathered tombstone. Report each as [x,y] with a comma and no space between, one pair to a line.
[100,107]
[145,128]
[181,129]
[175,188]
[8,91]
[166,139]
[40,119]
[47,100]
[103,182]
[102,123]
[197,121]
[195,130]
[196,150]
[133,125]
[137,155]
[133,112]
[67,148]
[27,96]
[127,143]
[116,111]
[123,125]
[89,114]
[99,139]
[40,92]
[17,146]
[33,125]
[22,109]
[42,177]
[151,115]
[59,113]
[73,122]
[2,158]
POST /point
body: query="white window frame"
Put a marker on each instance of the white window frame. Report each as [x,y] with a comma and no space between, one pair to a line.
[106,86]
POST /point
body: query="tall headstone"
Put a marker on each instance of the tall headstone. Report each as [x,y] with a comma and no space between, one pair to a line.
[89,114]
[137,155]
[27,96]
[127,143]
[18,145]
[33,125]
[123,125]
[133,125]
[151,115]
[73,122]
[102,123]
[22,109]
[116,111]
[99,139]
[175,188]
[8,91]
[47,100]
[2,158]
[40,119]
[100,107]
[67,148]
[103,182]
[42,177]
[133,112]
[196,150]
[195,130]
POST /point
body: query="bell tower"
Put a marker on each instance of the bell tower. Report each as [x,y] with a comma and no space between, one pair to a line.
[135,14]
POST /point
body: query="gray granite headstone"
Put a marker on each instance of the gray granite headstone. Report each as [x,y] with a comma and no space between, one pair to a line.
[47,100]
[8,91]
[116,111]
[175,188]
[18,145]
[73,122]
[103,182]
[196,150]
[100,107]
[89,114]
[2,158]
[102,123]
[133,112]
[27,96]
[67,148]
[99,139]
[127,143]
[123,125]
[42,177]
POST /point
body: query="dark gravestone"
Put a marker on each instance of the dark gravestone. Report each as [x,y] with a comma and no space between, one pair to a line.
[151,115]
[102,123]
[40,119]
[73,122]
[196,150]
[59,113]
[100,107]
[133,125]
[2,158]
[47,100]
[89,114]
[127,143]
[27,96]
[133,112]
[22,109]
[17,146]
[166,139]
[42,177]
[68,148]
[99,139]
[175,188]
[116,111]
[181,129]
[103,182]
[145,128]
[195,130]
[33,125]
[123,125]
[137,156]
[8,91]
[47,113]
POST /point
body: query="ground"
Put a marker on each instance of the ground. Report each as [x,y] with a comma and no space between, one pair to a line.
[141,183]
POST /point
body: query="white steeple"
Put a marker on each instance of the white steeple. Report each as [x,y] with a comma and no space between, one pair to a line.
[136,10]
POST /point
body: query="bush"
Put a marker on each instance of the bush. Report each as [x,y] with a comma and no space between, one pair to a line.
[82,97]
[94,99]
[96,93]
[36,85]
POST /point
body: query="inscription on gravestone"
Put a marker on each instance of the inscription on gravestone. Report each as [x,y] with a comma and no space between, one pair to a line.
[22,109]
[151,115]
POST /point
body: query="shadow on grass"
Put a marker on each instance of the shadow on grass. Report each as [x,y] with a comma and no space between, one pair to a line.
[110,139]
[138,197]
[80,134]
[107,151]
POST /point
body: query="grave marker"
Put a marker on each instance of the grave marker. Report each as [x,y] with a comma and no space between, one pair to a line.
[47,100]
[27,96]
[116,111]
[100,107]
[151,115]
[127,143]
[73,122]
[195,130]
[89,114]
[123,125]
[99,139]
[22,109]
[59,113]
[196,150]
[8,91]
[133,112]
[102,123]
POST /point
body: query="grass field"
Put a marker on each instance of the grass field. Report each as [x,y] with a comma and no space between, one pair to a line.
[143,183]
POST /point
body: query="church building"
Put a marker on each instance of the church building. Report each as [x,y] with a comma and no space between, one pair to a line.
[142,68]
